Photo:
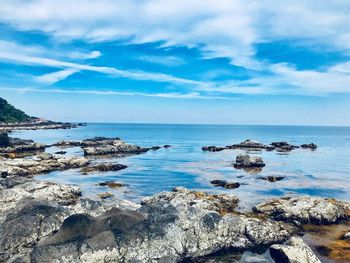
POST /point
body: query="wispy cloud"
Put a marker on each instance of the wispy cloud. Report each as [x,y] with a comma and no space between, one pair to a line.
[56,76]
[169,61]
[191,95]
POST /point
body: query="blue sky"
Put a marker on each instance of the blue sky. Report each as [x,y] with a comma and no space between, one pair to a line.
[234,62]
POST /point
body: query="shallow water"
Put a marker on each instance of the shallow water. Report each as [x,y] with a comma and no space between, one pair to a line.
[324,172]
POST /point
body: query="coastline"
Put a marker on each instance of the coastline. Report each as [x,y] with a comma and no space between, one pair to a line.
[215,215]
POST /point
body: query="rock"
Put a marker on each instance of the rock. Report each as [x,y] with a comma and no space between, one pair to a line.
[346,235]
[305,210]
[102,167]
[112,184]
[15,147]
[311,146]
[61,152]
[225,184]
[66,144]
[105,195]
[166,146]
[213,149]
[40,163]
[272,179]
[247,161]
[35,124]
[249,144]
[168,227]
[155,148]
[104,146]
[284,146]
[294,251]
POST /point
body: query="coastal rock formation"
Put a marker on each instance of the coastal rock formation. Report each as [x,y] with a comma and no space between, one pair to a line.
[13,147]
[104,146]
[245,161]
[112,184]
[305,210]
[294,251]
[213,148]
[40,163]
[102,167]
[272,179]
[224,184]
[250,144]
[169,227]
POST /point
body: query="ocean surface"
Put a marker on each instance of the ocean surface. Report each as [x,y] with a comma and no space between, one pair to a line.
[323,172]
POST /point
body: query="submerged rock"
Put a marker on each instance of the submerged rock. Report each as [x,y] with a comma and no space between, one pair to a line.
[294,251]
[311,146]
[105,195]
[224,184]
[112,184]
[305,210]
[246,161]
[102,167]
[213,149]
[272,179]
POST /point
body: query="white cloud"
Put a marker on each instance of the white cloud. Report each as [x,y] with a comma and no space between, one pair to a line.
[169,61]
[56,76]
[220,28]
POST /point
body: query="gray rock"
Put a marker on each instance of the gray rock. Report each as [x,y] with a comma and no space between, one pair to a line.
[102,167]
[246,161]
[284,146]
[168,227]
[305,210]
[294,251]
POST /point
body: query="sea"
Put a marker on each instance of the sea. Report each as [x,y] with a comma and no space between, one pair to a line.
[323,172]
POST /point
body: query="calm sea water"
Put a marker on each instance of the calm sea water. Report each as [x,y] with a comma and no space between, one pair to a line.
[324,172]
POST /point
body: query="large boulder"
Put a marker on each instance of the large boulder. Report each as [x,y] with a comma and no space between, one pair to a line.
[169,227]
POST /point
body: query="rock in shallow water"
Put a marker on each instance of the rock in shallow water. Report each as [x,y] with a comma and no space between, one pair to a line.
[305,210]
[225,184]
[102,167]
[246,161]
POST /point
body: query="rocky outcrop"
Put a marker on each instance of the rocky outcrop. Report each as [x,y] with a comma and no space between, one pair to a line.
[250,144]
[15,147]
[245,161]
[112,184]
[224,184]
[305,210]
[294,251]
[35,124]
[102,167]
[169,227]
[39,164]
[213,148]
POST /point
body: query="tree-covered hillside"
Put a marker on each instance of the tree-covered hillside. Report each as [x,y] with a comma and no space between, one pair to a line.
[9,113]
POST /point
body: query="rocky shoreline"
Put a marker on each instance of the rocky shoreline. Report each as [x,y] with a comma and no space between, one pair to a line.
[38,124]
[181,225]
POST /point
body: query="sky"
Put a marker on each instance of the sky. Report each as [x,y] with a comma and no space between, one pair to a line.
[214,61]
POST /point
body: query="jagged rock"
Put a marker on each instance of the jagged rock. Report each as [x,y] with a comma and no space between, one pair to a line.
[61,152]
[17,147]
[213,149]
[246,161]
[169,227]
[104,146]
[36,124]
[284,146]
[294,251]
[305,210]
[311,146]
[40,163]
[166,146]
[272,179]
[250,144]
[102,167]
[66,144]
[112,184]
[225,184]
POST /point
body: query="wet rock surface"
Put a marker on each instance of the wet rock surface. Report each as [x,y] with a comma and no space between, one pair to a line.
[13,147]
[102,167]
[112,184]
[224,184]
[272,179]
[305,210]
[294,251]
[245,161]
